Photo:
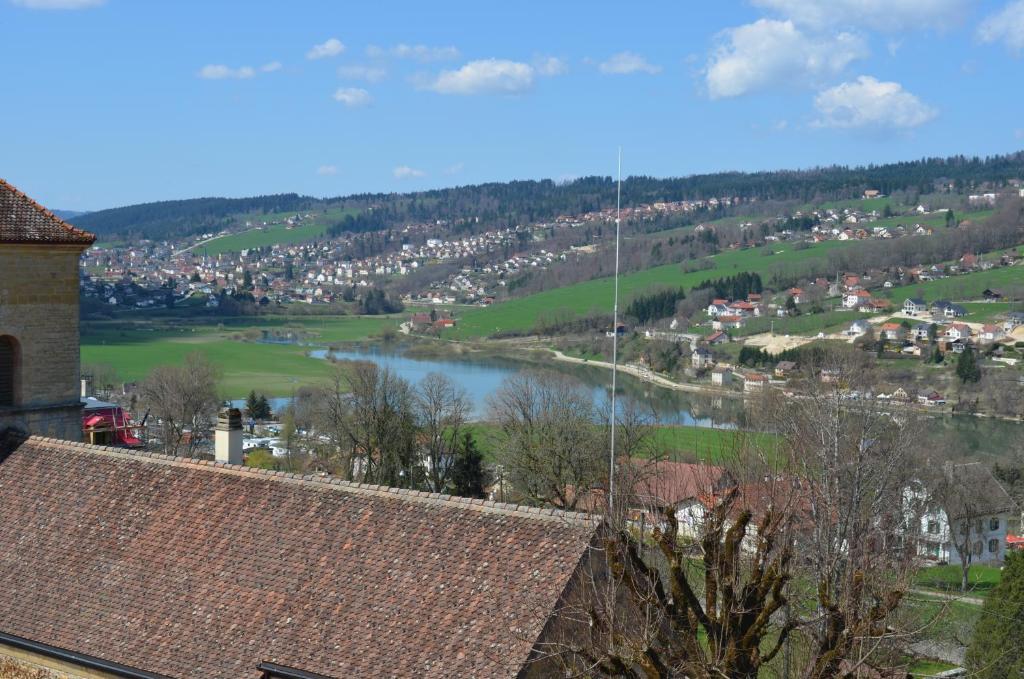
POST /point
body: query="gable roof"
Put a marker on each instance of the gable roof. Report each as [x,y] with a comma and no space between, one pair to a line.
[971,490]
[22,220]
[194,568]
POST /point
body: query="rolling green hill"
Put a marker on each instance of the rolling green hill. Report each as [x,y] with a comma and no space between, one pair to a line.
[596,295]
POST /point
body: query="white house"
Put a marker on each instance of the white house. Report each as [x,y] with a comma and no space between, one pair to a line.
[914,306]
[720,376]
[858,328]
[967,517]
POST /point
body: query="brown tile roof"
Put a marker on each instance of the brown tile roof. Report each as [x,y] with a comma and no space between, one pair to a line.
[191,568]
[22,220]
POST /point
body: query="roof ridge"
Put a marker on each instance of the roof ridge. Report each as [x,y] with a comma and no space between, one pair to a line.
[330,482]
[69,228]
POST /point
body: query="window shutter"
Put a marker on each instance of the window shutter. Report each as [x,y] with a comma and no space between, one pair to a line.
[7,359]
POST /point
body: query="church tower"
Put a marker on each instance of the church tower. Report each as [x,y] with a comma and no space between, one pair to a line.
[39,342]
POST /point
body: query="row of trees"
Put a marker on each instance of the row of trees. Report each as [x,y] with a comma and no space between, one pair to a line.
[655,305]
[737,286]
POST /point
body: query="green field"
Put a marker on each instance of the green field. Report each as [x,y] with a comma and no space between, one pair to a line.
[275,234]
[677,443]
[982,579]
[581,298]
[274,369]
[963,287]
[805,324]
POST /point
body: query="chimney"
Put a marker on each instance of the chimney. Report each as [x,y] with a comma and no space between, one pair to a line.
[228,437]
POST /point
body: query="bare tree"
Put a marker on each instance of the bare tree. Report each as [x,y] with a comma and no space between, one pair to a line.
[381,428]
[442,408]
[807,545]
[548,441]
[184,399]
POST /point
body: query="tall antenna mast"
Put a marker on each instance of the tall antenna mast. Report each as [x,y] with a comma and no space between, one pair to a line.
[615,339]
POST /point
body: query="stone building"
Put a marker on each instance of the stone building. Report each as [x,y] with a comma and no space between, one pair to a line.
[39,359]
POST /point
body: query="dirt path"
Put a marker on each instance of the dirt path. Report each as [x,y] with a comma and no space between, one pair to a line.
[646,375]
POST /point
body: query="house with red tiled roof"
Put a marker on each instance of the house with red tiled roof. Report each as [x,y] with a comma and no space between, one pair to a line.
[189,568]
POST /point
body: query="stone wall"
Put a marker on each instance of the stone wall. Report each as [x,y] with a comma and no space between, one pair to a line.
[39,309]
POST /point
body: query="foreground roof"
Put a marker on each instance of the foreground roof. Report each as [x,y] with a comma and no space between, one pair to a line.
[22,220]
[192,568]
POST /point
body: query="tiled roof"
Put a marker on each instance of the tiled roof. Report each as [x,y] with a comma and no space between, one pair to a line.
[191,568]
[22,220]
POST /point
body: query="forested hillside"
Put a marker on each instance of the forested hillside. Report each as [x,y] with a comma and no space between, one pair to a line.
[518,202]
[172,218]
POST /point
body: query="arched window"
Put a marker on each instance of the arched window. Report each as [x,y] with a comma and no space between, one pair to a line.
[9,361]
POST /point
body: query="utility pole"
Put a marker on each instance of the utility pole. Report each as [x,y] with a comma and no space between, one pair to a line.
[615,339]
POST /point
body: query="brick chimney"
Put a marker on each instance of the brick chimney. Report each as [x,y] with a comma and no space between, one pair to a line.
[228,436]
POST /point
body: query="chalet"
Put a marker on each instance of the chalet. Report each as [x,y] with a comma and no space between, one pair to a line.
[948,309]
[879,305]
[990,295]
[968,262]
[894,332]
[857,299]
[1014,320]
[784,369]
[968,518]
[728,322]
[701,358]
[721,376]
[959,346]
[914,306]
[745,309]
[932,398]
[990,332]
[795,293]
[858,328]
[851,282]
[754,298]
[754,381]
[921,331]
[718,307]
[956,331]
[717,337]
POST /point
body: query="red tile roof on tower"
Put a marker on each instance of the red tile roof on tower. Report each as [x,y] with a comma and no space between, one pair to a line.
[22,220]
[189,568]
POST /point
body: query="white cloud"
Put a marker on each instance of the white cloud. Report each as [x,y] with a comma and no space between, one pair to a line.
[222,72]
[370,74]
[330,48]
[421,53]
[353,97]
[455,169]
[880,15]
[550,66]
[487,76]
[58,4]
[327,170]
[406,172]
[1005,26]
[271,67]
[625,63]
[868,102]
[767,53]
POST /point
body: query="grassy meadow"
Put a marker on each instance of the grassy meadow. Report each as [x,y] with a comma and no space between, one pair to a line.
[275,369]
[276,233]
[581,298]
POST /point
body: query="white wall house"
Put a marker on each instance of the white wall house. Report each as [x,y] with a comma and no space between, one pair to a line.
[970,509]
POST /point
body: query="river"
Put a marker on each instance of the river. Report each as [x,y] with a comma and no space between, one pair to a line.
[482,376]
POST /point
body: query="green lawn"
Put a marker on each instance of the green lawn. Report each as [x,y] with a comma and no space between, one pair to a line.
[983,579]
[275,234]
[521,314]
[273,369]
[677,443]
[963,287]
[805,324]
[928,668]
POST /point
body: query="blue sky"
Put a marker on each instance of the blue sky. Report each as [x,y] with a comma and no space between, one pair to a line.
[112,102]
